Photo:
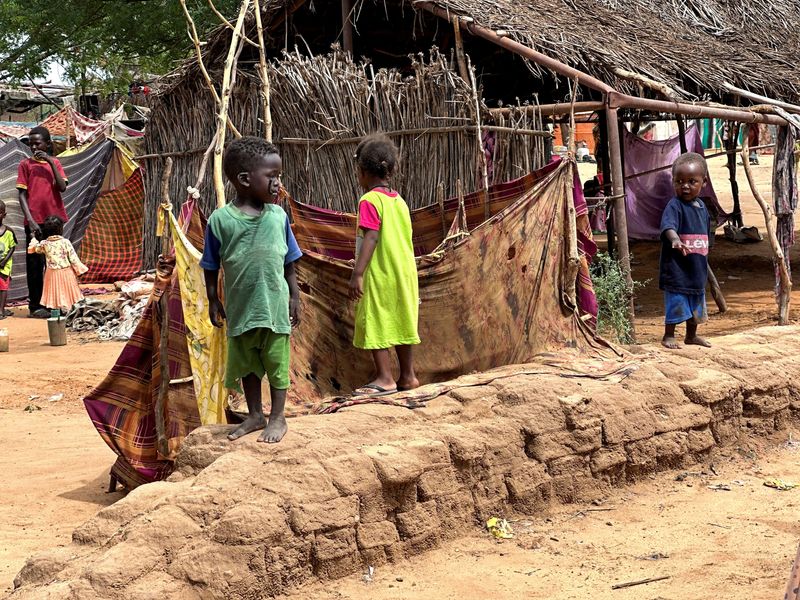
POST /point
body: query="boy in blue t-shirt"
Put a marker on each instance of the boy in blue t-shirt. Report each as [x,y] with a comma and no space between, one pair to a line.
[685,237]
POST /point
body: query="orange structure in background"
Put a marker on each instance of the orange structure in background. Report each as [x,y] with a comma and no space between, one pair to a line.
[583,132]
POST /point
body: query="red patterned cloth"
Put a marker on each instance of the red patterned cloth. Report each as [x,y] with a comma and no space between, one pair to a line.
[69,121]
[112,246]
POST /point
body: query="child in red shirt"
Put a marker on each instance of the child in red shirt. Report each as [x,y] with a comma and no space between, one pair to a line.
[40,181]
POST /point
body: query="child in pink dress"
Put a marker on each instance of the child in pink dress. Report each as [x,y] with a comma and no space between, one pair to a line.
[61,288]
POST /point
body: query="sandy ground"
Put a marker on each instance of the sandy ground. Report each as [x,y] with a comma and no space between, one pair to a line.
[54,463]
[711,544]
[55,467]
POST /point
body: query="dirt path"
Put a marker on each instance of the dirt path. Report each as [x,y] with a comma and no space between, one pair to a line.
[54,464]
[55,469]
[711,544]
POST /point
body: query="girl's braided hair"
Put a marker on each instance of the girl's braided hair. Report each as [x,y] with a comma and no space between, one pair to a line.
[377,155]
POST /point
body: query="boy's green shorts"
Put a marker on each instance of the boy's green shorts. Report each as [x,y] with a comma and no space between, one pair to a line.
[259,351]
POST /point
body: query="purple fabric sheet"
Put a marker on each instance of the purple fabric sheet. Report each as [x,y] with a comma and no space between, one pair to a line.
[647,196]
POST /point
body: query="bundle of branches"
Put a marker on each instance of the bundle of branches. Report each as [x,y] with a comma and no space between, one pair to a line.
[323,105]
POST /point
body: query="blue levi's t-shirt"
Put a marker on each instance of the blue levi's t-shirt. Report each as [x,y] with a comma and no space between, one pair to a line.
[685,274]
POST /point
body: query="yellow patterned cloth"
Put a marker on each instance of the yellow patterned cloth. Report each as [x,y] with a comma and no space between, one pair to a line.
[207,344]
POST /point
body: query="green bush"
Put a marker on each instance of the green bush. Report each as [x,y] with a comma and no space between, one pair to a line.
[613,298]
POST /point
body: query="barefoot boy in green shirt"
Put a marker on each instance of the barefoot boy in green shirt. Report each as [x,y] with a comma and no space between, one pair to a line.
[251,240]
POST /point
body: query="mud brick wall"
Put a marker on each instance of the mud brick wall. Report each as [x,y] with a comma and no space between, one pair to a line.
[373,484]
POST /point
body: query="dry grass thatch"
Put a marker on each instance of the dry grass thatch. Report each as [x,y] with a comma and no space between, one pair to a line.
[694,45]
[322,106]
[697,45]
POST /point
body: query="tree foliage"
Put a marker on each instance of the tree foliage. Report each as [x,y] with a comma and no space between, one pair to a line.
[100,43]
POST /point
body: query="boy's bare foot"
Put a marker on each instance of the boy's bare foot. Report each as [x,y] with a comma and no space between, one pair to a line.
[403,385]
[275,430]
[671,343]
[697,341]
[249,425]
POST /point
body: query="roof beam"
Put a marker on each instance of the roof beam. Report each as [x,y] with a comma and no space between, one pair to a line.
[759,98]
[617,100]
[550,110]
[517,48]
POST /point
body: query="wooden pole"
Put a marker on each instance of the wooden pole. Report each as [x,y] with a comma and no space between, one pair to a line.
[69,120]
[784,295]
[227,23]
[317,143]
[520,49]
[730,144]
[659,87]
[682,133]
[703,111]
[347,26]
[794,108]
[163,343]
[222,117]
[204,164]
[573,142]
[549,110]
[618,192]
[482,167]
[264,72]
[716,291]
[440,202]
[199,54]
[459,43]
[606,167]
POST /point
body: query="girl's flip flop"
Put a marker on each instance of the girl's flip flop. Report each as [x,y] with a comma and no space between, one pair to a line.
[376,391]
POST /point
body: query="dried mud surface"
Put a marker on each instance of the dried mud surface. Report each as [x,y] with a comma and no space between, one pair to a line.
[373,485]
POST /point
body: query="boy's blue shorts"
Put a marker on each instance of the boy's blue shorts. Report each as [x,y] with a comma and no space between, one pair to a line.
[679,308]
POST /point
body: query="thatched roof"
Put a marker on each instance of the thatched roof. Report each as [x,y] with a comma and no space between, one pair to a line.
[692,46]
[698,45]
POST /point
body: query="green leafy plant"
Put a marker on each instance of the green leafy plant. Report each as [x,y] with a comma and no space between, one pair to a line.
[613,297]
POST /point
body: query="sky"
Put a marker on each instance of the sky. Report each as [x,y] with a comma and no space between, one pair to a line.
[55,76]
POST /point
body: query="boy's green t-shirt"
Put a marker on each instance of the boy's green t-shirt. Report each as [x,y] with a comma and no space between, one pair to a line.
[8,242]
[252,251]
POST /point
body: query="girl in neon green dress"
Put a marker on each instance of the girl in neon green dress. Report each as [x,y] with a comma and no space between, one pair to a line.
[384,279]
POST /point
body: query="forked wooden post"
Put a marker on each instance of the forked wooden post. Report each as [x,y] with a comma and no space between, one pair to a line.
[785,278]
[222,117]
[682,133]
[482,167]
[459,43]
[730,146]
[199,54]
